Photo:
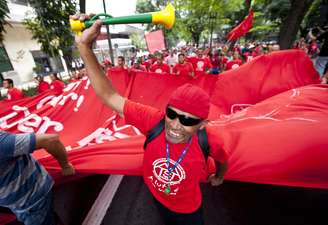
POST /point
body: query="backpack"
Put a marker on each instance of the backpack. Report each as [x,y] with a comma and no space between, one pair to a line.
[158,128]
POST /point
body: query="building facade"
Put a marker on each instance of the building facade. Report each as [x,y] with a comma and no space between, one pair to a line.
[20,55]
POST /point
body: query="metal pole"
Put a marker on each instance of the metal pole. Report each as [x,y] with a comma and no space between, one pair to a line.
[109,38]
[211,34]
[82,6]
[212,18]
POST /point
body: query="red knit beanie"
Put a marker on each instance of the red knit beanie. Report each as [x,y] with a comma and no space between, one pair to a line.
[191,99]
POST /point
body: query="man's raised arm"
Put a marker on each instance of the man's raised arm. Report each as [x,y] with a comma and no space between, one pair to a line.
[100,83]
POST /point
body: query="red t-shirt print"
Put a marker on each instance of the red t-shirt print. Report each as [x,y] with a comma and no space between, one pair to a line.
[233,64]
[43,86]
[58,86]
[163,68]
[14,94]
[201,64]
[183,69]
[185,195]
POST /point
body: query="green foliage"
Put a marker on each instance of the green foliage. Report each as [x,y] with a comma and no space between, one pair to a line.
[312,18]
[197,17]
[193,17]
[277,10]
[146,6]
[138,41]
[31,91]
[38,69]
[4,11]
[51,27]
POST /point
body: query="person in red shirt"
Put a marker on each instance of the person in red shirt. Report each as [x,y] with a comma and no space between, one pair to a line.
[223,61]
[215,62]
[145,63]
[43,85]
[120,64]
[183,68]
[137,66]
[120,67]
[235,63]
[151,59]
[13,93]
[57,84]
[159,66]
[201,63]
[173,162]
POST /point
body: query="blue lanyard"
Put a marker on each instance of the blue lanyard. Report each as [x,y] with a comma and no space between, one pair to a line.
[171,169]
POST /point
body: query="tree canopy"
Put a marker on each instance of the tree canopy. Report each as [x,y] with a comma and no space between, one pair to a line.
[4,11]
[50,27]
[272,18]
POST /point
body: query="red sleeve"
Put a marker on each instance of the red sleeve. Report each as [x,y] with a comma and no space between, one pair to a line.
[229,65]
[216,144]
[167,68]
[191,68]
[152,68]
[43,86]
[58,86]
[175,68]
[141,116]
[208,62]
[15,94]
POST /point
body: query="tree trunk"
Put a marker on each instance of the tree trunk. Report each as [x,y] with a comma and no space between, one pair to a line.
[291,24]
[82,6]
[196,38]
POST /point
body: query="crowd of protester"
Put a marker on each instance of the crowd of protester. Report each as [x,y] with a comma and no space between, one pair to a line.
[188,61]
[43,83]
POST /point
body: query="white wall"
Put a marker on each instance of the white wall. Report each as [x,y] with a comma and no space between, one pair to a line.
[18,43]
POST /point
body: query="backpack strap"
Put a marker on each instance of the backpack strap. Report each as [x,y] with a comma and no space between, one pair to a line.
[154,132]
[203,142]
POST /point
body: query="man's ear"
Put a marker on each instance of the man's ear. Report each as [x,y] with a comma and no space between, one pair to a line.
[203,124]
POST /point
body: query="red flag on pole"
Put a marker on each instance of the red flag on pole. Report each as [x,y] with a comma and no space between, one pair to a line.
[242,28]
[155,41]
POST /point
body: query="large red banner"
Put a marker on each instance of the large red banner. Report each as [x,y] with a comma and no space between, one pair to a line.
[273,124]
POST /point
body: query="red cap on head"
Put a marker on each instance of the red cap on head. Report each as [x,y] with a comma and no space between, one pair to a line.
[191,99]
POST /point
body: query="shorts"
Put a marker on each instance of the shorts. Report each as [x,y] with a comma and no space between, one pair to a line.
[173,218]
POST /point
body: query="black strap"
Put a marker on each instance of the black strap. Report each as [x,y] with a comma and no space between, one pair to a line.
[154,132]
[203,142]
[202,137]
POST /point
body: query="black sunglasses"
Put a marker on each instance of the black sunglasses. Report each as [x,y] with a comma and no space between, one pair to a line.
[183,119]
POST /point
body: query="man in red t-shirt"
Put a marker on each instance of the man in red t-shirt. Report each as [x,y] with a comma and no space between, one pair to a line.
[138,66]
[43,85]
[235,63]
[183,68]
[201,63]
[145,63]
[57,84]
[13,93]
[173,161]
[159,66]
[223,61]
